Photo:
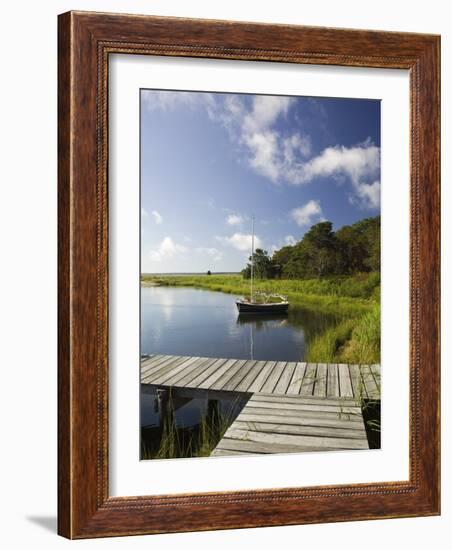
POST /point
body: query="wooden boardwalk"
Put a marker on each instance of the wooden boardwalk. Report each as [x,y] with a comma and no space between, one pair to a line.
[294,406]
[269,377]
[280,424]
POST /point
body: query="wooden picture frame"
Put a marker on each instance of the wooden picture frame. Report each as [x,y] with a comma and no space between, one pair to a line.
[85,42]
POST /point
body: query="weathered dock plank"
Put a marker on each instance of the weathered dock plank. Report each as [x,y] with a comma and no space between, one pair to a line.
[260,379]
[306,406]
[296,442]
[351,416]
[154,363]
[368,379]
[253,447]
[345,383]
[222,366]
[307,386]
[273,377]
[199,373]
[320,379]
[270,377]
[158,372]
[297,379]
[189,372]
[298,429]
[331,401]
[284,380]
[232,383]
[254,368]
[231,368]
[169,371]
[359,390]
[281,424]
[294,419]
[294,406]
[332,384]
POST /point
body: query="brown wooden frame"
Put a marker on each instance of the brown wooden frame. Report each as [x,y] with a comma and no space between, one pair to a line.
[84,44]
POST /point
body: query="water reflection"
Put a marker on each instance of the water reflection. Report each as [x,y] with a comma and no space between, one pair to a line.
[183,422]
[261,321]
[189,321]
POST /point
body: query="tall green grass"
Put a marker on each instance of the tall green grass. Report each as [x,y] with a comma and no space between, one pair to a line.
[180,442]
[364,344]
[325,348]
[355,340]
[346,295]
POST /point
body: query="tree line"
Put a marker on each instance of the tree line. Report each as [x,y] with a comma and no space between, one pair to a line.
[323,252]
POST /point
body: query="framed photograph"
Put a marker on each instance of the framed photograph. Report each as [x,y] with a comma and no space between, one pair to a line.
[248,275]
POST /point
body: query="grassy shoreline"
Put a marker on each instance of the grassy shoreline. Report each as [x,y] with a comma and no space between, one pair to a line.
[355,339]
[344,295]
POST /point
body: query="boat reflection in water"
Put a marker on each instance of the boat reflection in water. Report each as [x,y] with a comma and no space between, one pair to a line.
[262,320]
[261,323]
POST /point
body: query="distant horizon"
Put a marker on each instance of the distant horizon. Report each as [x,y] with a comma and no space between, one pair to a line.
[190,272]
[211,161]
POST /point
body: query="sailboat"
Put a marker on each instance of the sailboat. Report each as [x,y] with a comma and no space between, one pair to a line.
[261,302]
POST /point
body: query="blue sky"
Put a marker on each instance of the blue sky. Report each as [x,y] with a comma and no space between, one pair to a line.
[210,161]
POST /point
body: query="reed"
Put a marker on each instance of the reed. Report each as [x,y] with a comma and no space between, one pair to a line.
[349,296]
[354,340]
[180,442]
[325,348]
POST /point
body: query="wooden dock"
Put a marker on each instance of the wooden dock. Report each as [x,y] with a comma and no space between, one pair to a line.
[269,377]
[294,406]
[282,424]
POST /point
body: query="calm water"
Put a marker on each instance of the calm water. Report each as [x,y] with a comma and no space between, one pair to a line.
[194,322]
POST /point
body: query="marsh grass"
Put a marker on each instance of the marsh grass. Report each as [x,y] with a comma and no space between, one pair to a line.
[364,344]
[347,295]
[355,338]
[325,348]
[188,442]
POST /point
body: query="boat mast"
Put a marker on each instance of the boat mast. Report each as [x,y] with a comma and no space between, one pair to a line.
[252,255]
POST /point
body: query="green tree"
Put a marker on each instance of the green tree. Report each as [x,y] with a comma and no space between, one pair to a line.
[263,267]
[322,252]
[280,259]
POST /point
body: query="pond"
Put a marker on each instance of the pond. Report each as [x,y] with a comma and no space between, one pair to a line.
[203,323]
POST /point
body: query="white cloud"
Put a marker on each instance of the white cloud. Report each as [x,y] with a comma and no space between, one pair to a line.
[264,150]
[168,100]
[295,145]
[286,158]
[278,154]
[234,219]
[250,123]
[265,111]
[368,194]
[306,214]
[157,217]
[361,164]
[241,241]
[143,213]
[290,240]
[214,253]
[167,249]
